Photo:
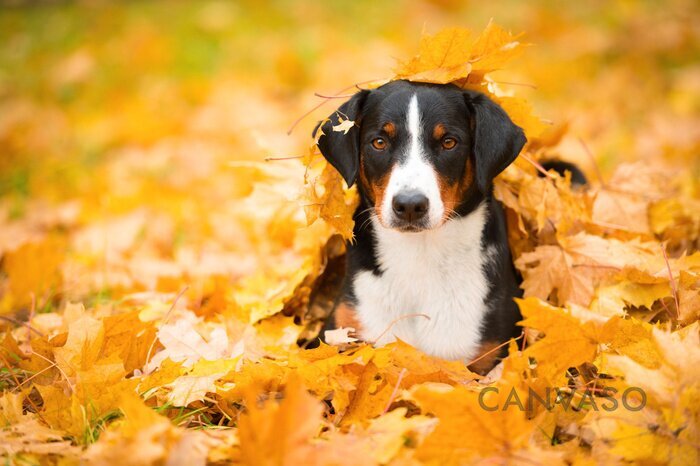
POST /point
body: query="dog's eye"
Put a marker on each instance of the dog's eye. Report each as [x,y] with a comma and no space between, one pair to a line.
[449,143]
[379,143]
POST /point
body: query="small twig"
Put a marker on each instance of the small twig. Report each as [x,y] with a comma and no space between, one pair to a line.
[291,157]
[396,390]
[588,152]
[14,376]
[316,107]
[595,390]
[493,349]
[539,167]
[531,86]
[65,376]
[36,374]
[31,317]
[28,323]
[395,321]
[18,322]
[298,120]
[597,266]
[337,96]
[668,311]
[673,282]
[631,193]
[612,226]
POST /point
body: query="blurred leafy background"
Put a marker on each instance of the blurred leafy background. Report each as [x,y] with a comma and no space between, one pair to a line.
[81,80]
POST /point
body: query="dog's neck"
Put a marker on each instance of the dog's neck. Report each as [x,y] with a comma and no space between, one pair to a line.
[430,287]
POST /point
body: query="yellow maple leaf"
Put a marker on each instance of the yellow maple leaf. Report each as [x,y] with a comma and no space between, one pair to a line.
[368,397]
[567,342]
[632,338]
[331,373]
[466,430]
[325,197]
[451,55]
[494,47]
[280,433]
[83,345]
[614,298]
[441,59]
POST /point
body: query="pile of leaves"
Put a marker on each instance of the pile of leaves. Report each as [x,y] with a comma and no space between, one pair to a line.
[199,354]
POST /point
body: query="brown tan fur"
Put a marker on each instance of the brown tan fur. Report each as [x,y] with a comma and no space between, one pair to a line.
[453,193]
[345,317]
[376,190]
[487,357]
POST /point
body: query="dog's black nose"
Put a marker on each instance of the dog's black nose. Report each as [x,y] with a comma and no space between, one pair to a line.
[410,206]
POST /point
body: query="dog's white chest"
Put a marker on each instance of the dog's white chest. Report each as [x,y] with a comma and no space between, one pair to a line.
[432,290]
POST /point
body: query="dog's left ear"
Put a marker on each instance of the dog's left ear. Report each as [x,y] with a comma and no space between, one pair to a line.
[342,147]
[497,140]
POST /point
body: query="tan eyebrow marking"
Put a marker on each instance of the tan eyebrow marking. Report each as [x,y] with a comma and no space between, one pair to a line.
[390,129]
[439,131]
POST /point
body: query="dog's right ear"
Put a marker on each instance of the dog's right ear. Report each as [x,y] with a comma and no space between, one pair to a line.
[341,148]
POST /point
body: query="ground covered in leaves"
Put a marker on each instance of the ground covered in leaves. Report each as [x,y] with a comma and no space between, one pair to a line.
[167,251]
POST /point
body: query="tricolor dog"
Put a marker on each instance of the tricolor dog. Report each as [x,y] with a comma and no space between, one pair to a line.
[430,263]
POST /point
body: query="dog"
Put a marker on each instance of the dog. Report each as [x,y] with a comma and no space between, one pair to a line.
[430,263]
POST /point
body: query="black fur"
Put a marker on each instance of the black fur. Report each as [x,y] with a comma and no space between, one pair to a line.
[497,141]
[340,149]
[561,167]
[500,321]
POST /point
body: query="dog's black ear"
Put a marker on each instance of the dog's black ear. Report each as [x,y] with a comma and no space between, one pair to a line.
[497,140]
[340,148]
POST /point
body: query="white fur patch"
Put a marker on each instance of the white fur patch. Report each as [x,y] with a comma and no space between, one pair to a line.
[439,273]
[414,173]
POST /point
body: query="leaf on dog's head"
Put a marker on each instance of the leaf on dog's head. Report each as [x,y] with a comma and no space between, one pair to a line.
[442,58]
[451,55]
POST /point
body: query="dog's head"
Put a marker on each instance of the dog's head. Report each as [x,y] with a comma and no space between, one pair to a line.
[420,151]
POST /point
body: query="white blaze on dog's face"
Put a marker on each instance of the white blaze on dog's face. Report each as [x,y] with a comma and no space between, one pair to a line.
[421,153]
[412,198]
